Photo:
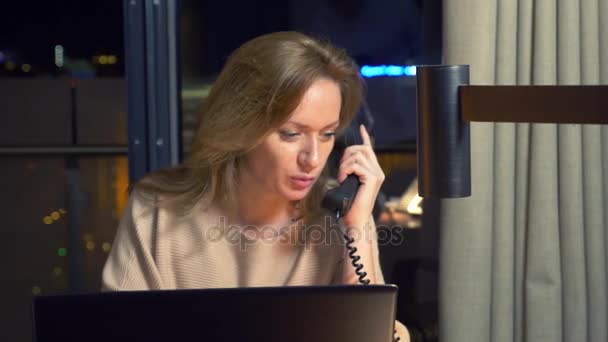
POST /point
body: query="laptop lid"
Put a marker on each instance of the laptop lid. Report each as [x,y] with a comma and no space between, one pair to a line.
[309,313]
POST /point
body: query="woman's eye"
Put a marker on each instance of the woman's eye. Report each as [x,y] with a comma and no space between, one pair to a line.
[289,134]
[329,135]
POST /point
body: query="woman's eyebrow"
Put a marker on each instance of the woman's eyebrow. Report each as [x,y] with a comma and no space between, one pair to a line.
[300,125]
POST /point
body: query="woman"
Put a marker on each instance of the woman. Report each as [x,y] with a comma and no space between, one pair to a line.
[244,208]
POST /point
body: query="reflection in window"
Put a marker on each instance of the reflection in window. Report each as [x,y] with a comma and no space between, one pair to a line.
[38,245]
[61,84]
[53,39]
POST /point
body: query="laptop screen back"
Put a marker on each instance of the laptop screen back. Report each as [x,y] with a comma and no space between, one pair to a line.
[316,313]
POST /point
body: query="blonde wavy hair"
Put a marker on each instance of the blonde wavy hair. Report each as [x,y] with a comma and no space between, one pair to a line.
[259,87]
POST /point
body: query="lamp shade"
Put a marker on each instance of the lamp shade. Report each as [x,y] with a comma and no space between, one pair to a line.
[443,138]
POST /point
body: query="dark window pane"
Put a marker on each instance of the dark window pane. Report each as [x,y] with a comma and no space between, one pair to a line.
[104,184]
[61,82]
[35,112]
[50,39]
[38,249]
[33,231]
[101,112]
[376,33]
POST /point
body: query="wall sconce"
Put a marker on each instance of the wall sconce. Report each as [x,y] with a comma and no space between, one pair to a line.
[446,105]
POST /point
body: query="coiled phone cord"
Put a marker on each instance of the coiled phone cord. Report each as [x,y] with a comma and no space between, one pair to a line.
[359,266]
[354,259]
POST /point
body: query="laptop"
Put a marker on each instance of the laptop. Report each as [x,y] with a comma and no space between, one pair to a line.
[353,313]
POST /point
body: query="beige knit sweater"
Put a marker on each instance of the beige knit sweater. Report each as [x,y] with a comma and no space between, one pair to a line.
[155,249]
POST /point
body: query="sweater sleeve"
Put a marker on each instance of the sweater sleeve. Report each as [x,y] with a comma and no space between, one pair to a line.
[130,264]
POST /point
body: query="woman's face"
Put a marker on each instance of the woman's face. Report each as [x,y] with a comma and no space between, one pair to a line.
[290,159]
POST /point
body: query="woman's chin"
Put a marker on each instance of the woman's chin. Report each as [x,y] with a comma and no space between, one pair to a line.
[296,195]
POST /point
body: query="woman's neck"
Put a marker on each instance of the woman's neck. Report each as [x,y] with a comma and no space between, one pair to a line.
[259,207]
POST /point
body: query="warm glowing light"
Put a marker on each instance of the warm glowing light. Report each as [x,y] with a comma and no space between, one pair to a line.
[55,215]
[112,59]
[415,205]
[106,247]
[103,59]
[36,290]
[26,68]
[121,183]
[62,252]
[57,271]
[90,246]
[47,220]
[62,211]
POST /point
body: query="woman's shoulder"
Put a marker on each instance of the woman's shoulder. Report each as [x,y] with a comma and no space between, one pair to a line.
[144,205]
[149,218]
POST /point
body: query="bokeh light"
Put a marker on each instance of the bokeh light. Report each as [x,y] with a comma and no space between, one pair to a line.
[90,246]
[57,271]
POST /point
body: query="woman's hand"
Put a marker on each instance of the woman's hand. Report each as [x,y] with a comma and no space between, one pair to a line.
[361,161]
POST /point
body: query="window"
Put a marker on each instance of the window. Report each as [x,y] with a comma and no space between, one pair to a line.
[62,150]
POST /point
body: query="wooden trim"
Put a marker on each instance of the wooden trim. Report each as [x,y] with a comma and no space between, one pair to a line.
[535,104]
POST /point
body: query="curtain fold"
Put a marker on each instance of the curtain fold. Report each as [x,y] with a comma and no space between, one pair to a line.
[524,258]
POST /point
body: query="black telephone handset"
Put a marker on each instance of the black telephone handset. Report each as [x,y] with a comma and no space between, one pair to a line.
[339,200]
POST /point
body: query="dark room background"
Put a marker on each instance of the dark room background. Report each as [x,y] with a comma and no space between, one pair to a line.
[63,137]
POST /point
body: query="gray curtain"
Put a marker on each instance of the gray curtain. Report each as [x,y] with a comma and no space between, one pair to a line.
[524,258]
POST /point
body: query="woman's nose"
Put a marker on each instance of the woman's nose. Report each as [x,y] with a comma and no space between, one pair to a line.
[309,155]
